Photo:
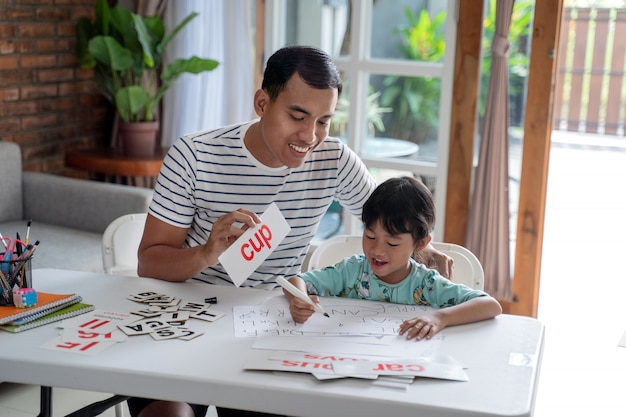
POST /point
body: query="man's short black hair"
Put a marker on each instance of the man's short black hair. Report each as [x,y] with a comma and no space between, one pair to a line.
[313,65]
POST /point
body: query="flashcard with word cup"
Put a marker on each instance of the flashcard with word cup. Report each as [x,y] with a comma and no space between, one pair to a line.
[254,245]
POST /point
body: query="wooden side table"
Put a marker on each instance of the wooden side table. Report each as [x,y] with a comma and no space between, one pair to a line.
[117,167]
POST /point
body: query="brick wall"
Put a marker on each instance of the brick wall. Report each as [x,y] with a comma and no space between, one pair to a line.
[47,104]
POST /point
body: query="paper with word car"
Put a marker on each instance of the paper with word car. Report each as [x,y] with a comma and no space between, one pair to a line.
[254,246]
[360,366]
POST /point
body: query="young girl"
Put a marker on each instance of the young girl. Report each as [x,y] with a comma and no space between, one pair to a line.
[398,218]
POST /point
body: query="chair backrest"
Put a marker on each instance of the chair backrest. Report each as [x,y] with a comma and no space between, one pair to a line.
[335,249]
[467,267]
[120,242]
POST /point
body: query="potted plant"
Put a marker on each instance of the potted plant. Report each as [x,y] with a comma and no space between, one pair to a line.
[126,52]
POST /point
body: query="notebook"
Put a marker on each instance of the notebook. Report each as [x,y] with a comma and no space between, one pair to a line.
[72,310]
[35,316]
[45,302]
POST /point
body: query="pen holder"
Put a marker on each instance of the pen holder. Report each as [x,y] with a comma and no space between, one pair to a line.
[16,273]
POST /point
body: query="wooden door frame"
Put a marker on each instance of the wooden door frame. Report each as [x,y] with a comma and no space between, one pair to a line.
[536,142]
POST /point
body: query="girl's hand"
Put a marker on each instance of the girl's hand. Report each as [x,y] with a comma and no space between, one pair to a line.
[419,328]
[301,311]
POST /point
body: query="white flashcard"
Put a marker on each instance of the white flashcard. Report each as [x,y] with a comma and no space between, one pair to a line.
[325,377]
[165,334]
[396,382]
[98,321]
[84,348]
[74,335]
[188,334]
[175,317]
[191,306]
[162,308]
[144,326]
[165,300]
[144,296]
[146,313]
[622,341]
[254,245]
[208,315]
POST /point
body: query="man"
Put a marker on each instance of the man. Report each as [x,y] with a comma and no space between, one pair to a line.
[213,185]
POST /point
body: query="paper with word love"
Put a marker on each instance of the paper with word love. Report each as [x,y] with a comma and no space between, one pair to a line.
[255,245]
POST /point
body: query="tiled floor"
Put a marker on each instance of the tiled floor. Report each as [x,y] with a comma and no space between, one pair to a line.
[581,300]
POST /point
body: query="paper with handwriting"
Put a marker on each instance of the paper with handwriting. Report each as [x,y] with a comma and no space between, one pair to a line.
[348,317]
[354,327]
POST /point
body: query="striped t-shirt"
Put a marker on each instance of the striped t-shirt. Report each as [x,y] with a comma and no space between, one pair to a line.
[208,174]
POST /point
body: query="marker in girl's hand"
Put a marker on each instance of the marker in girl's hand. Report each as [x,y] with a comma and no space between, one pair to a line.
[295,291]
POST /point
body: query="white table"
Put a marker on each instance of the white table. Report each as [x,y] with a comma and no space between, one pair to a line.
[503,357]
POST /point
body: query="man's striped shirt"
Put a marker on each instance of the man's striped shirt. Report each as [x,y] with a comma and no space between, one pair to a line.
[208,174]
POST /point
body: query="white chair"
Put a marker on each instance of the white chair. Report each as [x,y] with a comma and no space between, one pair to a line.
[120,242]
[467,267]
[334,249]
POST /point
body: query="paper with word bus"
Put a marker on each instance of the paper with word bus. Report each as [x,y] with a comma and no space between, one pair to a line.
[255,245]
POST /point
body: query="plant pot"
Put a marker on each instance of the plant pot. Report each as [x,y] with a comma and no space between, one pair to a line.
[139,138]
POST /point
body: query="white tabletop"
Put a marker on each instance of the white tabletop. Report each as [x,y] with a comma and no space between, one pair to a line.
[503,356]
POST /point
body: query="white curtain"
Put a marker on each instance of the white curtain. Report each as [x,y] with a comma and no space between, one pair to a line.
[223,31]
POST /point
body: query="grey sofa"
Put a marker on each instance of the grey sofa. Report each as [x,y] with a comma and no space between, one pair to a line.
[68,215]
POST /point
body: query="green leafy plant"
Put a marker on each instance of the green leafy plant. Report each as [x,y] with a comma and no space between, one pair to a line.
[415,100]
[126,52]
[374,114]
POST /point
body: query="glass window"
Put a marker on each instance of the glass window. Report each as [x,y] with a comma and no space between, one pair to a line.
[396,59]
[417,31]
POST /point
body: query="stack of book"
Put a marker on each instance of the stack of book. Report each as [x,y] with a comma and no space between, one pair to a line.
[49,309]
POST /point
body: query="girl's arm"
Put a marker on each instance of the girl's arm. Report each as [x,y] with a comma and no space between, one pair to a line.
[476,309]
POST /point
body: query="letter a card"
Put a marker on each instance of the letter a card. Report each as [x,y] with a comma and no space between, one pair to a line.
[255,245]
